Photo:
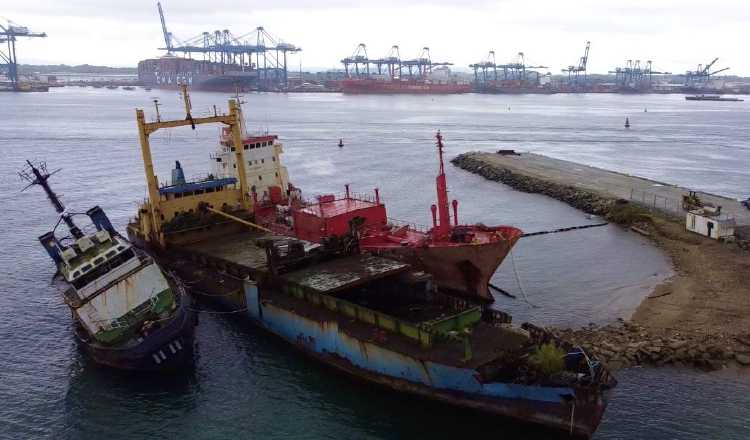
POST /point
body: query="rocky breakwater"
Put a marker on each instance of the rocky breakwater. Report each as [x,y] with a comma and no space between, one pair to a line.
[626,344]
[586,201]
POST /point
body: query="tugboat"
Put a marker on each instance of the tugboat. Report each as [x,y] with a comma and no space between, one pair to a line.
[127,313]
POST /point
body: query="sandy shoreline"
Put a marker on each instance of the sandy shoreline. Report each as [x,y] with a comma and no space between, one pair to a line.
[700,316]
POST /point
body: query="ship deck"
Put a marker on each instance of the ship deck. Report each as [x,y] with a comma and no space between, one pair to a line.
[240,249]
[346,278]
[487,340]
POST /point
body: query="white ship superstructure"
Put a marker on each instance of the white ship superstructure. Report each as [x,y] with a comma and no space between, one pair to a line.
[267,177]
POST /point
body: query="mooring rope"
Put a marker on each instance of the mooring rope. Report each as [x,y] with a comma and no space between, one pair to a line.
[570,228]
[518,280]
[201,293]
[215,312]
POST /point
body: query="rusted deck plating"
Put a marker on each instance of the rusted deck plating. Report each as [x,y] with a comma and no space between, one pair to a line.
[335,275]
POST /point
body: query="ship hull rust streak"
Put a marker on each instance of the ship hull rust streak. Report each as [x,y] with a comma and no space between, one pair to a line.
[324,341]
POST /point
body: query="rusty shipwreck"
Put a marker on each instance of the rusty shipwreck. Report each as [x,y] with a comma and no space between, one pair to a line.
[371,316]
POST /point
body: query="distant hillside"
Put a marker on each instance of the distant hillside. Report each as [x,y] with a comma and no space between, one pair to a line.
[83,68]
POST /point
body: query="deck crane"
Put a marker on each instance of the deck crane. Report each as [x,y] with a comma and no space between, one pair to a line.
[702,75]
[8,62]
[574,72]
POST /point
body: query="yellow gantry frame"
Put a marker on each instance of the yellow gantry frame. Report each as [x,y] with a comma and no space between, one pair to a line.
[145,129]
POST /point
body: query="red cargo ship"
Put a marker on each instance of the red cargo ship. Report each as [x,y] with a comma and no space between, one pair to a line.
[462,258]
[402,86]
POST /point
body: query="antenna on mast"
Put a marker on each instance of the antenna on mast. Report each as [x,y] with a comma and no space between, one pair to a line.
[38,175]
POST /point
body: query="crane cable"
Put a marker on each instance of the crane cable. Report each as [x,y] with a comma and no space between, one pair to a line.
[518,280]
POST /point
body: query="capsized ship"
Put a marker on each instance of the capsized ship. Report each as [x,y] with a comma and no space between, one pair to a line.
[127,314]
[377,318]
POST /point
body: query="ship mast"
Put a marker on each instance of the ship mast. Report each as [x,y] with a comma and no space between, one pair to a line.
[442,228]
[39,176]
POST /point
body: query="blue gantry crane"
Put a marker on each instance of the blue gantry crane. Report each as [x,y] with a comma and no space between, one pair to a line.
[358,64]
[577,74]
[8,61]
[255,50]
[700,77]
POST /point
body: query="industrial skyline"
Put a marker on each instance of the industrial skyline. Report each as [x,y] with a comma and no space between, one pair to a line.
[670,33]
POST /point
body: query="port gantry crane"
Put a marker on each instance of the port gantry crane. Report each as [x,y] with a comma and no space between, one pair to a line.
[516,70]
[634,77]
[8,61]
[700,77]
[575,72]
[358,64]
[392,62]
[256,51]
[486,67]
[359,57]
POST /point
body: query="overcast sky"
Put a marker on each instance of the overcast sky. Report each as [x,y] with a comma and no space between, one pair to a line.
[675,34]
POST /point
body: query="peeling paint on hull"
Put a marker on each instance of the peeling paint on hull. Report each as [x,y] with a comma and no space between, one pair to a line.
[167,349]
[326,342]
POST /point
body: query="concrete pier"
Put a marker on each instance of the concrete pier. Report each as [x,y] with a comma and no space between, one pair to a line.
[699,316]
[608,184]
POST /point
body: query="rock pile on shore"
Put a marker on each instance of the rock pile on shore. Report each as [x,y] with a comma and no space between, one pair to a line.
[584,200]
[626,344]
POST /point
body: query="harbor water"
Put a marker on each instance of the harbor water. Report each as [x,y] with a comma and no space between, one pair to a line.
[250,385]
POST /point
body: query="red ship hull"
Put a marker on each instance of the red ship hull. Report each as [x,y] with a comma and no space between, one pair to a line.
[374,86]
[462,267]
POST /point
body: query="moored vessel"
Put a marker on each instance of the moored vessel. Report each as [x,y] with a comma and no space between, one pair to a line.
[402,86]
[711,98]
[127,313]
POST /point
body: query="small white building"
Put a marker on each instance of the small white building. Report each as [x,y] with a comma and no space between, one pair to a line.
[708,221]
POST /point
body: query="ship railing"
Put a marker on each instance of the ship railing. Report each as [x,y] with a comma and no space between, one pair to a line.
[411,225]
[365,197]
[426,333]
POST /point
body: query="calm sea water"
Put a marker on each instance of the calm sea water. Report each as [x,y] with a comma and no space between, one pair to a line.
[246,384]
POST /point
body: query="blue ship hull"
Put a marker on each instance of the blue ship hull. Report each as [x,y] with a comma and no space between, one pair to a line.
[573,412]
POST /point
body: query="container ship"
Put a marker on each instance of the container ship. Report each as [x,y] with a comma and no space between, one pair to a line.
[127,313]
[402,86]
[374,317]
[171,71]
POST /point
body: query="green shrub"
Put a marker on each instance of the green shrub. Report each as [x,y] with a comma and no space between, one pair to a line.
[548,359]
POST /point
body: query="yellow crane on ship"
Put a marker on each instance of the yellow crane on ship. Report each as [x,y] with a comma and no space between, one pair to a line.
[160,208]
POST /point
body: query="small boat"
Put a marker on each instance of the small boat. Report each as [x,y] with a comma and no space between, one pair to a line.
[127,313]
[711,98]
[112,87]
[128,88]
